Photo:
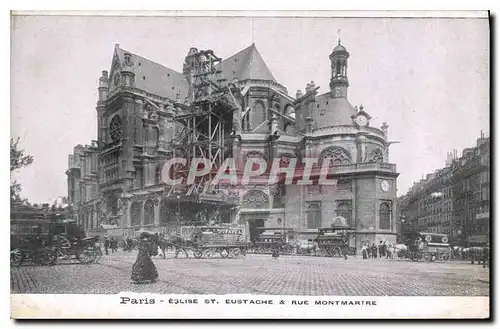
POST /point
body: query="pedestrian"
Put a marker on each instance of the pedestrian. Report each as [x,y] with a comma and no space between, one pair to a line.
[374,250]
[144,270]
[114,244]
[364,251]
[486,256]
[179,246]
[129,244]
[106,244]
[275,250]
[380,249]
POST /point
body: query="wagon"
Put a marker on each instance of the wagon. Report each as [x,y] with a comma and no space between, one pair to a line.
[210,241]
[430,247]
[272,236]
[70,241]
[334,240]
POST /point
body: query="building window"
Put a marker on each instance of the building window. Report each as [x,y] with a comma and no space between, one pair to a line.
[313,215]
[149,212]
[344,209]
[115,128]
[135,214]
[384,216]
[337,156]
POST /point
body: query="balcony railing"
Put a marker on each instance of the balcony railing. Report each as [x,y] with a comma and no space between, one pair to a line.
[366,166]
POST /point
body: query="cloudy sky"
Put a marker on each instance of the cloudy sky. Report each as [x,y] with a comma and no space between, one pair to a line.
[427,78]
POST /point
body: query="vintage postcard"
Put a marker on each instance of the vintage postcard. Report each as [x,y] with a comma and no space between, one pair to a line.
[250,165]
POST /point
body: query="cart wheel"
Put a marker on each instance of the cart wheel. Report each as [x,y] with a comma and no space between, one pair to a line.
[198,253]
[16,257]
[224,253]
[209,253]
[427,257]
[48,256]
[86,255]
[235,252]
[414,257]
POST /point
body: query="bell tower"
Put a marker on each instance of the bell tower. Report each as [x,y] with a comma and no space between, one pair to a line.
[339,82]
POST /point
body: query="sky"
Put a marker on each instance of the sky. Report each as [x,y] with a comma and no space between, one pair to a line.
[427,78]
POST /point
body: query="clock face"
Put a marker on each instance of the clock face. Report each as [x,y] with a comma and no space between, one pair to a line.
[385,186]
[361,120]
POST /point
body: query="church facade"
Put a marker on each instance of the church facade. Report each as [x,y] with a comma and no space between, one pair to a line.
[143,115]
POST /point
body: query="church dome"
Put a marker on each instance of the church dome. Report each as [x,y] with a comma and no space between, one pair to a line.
[339,48]
[333,111]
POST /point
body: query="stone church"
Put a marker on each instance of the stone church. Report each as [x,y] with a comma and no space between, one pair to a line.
[146,112]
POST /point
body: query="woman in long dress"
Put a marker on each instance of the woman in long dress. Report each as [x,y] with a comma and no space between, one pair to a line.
[144,270]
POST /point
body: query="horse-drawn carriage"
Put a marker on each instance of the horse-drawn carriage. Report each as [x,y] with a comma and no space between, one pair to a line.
[429,247]
[208,241]
[65,240]
[334,240]
[270,238]
[30,248]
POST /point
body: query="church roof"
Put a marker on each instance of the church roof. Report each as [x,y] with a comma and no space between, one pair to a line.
[333,111]
[246,64]
[155,78]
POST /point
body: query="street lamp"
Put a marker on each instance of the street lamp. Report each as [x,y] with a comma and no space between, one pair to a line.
[178,209]
[402,220]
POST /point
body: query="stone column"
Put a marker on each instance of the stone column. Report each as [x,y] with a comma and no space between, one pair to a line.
[139,108]
[143,203]
[157,211]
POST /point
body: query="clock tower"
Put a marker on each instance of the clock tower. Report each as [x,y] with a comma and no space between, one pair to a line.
[339,81]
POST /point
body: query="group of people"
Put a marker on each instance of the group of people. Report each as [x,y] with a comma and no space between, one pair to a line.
[376,251]
[110,243]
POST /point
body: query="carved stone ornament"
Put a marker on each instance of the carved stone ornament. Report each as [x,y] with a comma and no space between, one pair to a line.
[254,155]
[338,156]
[255,199]
[376,156]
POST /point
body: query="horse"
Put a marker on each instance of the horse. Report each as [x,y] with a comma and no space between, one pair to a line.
[399,250]
[305,247]
[478,254]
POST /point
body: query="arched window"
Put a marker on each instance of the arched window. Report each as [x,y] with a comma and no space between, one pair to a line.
[384,216]
[313,214]
[258,114]
[339,68]
[115,128]
[158,169]
[149,212]
[255,200]
[338,156]
[135,214]
[344,209]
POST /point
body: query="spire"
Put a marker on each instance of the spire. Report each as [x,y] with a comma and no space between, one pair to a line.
[339,82]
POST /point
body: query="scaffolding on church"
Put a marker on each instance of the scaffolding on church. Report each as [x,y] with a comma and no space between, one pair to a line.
[206,127]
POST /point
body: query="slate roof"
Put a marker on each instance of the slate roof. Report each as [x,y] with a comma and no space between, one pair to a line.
[155,78]
[163,81]
[246,64]
[333,111]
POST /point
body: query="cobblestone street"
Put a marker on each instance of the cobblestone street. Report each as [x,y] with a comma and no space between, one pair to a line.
[259,274]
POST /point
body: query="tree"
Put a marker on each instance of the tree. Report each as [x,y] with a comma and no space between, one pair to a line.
[18,160]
